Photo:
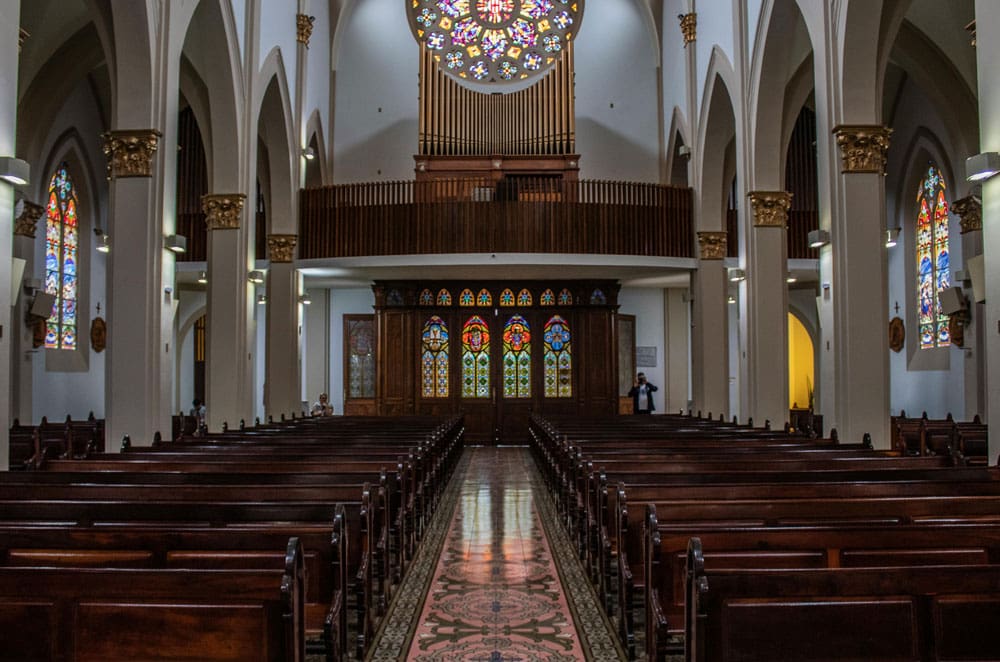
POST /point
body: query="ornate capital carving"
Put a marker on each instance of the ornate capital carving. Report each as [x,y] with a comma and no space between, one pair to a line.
[863,148]
[22,36]
[281,247]
[130,153]
[970,211]
[305,28]
[223,211]
[24,225]
[770,208]
[713,245]
[689,26]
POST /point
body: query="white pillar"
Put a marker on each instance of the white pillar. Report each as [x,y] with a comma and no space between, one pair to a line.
[988,54]
[709,330]
[767,308]
[283,337]
[676,332]
[9,31]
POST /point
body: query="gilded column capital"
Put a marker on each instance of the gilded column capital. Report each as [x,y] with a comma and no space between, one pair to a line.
[130,153]
[281,247]
[223,211]
[304,23]
[770,208]
[970,210]
[689,26]
[25,224]
[713,245]
[863,148]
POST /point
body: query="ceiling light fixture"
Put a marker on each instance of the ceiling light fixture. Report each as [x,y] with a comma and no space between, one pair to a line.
[982,166]
[15,171]
[737,275]
[203,277]
[818,238]
[176,243]
[256,277]
[309,153]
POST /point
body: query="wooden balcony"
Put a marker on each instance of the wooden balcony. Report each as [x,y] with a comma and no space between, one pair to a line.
[529,214]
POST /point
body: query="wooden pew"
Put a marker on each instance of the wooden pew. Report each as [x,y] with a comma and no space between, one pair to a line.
[141,614]
[912,613]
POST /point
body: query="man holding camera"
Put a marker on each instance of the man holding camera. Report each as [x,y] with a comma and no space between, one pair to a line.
[642,395]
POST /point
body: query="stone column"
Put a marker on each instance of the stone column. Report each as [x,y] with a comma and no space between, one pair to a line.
[767,308]
[970,211]
[229,367]
[25,230]
[283,394]
[137,349]
[9,47]
[709,331]
[858,286]
[677,361]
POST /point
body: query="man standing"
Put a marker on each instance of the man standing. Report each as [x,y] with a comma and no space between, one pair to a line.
[642,395]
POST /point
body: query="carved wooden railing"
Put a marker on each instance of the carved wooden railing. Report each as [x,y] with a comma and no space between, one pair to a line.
[516,215]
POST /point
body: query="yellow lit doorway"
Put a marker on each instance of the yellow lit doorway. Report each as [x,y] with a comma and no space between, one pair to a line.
[801,371]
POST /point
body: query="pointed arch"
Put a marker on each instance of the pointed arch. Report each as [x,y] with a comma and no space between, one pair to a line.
[717,130]
[276,131]
[315,138]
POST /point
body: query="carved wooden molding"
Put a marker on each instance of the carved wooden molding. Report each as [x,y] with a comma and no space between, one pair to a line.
[304,22]
[281,247]
[25,224]
[223,211]
[970,211]
[770,208]
[713,245]
[689,26]
[130,153]
[863,148]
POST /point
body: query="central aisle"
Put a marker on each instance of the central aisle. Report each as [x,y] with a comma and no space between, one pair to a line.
[492,582]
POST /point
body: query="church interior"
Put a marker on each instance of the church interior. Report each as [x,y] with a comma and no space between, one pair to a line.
[330,325]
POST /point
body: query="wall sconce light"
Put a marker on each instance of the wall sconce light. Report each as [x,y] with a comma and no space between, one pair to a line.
[891,237]
[102,241]
[176,243]
[737,275]
[731,299]
[309,153]
[261,299]
[256,277]
[982,166]
[203,278]
[791,278]
[305,300]
[15,171]
[818,238]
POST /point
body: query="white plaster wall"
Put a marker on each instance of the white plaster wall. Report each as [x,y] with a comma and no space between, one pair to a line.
[753,9]
[259,331]
[190,306]
[343,302]
[616,64]
[715,28]
[318,69]
[736,350]
[239,16]
[375,130]
[646,304]
[316,346]
[278,28]
[674,64]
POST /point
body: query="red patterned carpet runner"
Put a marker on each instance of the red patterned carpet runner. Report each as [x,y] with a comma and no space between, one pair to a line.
[495,590]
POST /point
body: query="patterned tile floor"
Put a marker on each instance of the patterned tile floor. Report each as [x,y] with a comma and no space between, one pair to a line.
[495,590]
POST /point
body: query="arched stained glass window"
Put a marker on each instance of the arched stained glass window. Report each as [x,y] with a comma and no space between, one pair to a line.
[484,298]
[394,298]
[547,298]
[933,268]
[434,358]
[597,298]
[62,235]
[475,358]
[517,358]
[466,298]
[524,298]
[558,359]
[426,298]
[444,298]
[507,298]
[565,298]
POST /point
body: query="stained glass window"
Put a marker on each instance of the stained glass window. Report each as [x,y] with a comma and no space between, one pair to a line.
[558,359]
[394,298]
[434,358]
[62,235]
[565,298]
[524,298]
[597,298]
[475,358]
[426,298]
[484,298]
[507,298]
[466,298]
[359,334]
[933,268]
[444,298]
[547,298]
[517,358]
[495,40]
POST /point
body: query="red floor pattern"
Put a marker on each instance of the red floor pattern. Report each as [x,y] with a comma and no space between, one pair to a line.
[496,595]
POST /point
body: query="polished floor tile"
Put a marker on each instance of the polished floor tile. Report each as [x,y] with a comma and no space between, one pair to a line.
[496,595]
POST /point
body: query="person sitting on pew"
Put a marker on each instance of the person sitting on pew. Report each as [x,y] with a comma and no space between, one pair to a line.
[642,395]
[322,407]
[198,413]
